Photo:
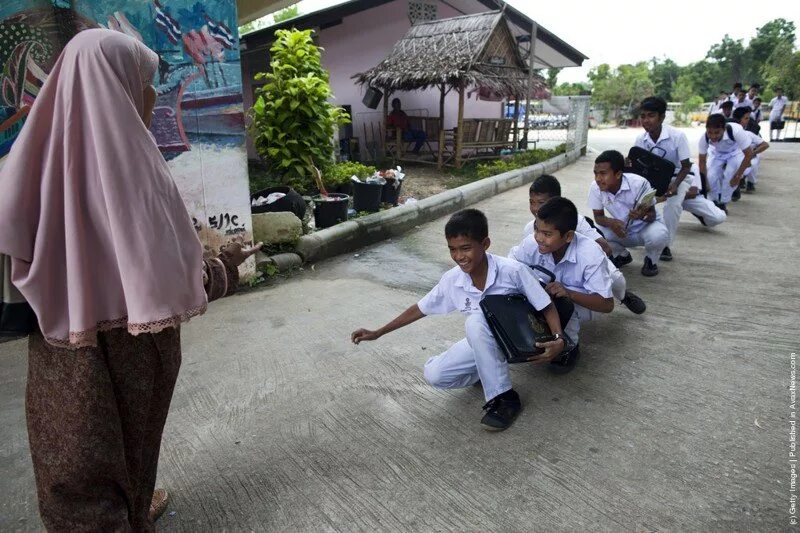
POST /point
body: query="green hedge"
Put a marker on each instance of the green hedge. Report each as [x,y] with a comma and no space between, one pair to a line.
[518,160]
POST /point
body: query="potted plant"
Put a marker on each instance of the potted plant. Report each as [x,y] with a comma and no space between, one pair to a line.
[292,120]
[329,208]
[339,175]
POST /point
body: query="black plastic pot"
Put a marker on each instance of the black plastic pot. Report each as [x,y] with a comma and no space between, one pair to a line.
[329,213]
[292,202]
[344,188]
[367,197]
[390,194]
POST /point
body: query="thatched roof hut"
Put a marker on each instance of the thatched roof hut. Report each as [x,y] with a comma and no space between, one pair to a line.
[469,51]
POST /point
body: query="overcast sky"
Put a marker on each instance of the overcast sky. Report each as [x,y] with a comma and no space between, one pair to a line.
[627,31]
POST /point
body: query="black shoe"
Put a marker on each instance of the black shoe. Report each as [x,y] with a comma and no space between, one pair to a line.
[751,187]
[701,219]
[501,411]
[649,269]
[635,304]
[621,260]
[666,254]
[737,193]
[722,206]
[566,363]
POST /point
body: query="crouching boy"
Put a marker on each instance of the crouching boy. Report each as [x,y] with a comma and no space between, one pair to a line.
[725,154]
[579,265]
[629,222]
[478,356]
[698,205]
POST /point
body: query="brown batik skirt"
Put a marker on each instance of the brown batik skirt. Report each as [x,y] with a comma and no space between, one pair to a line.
[95,418]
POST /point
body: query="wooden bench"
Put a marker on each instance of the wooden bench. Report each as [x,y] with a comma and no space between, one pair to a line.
[399,149]
[482,138]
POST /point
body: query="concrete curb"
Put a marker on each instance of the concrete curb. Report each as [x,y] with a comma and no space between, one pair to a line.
[354,234]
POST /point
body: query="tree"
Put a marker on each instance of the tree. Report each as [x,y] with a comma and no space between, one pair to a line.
[664,74]
[293,120]
[552,77]
[571,89]
[768,37]
[783,70]
[280,16]
[730,55]
[620,89]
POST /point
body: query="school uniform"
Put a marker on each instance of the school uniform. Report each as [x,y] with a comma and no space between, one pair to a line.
[477,357]
[618,283]
[742,103]
[582,269]
[654,236]
[724,158]
[776,107]
[751,173]
[672,145]
[700,205]
[755,115]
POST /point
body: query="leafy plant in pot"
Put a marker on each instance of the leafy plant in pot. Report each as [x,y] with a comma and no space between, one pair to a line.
[338,176]
[292,120]
[329,208]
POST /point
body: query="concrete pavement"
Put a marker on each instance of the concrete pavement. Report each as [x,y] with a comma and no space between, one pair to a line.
[674,420]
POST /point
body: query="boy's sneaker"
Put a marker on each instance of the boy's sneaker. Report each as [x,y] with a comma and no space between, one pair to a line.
[621,260]
[701,219]
[635,304]
[737,193]
[501,411]
[751,187]
[567,361]
[666,254]
[649,269]
[722,206]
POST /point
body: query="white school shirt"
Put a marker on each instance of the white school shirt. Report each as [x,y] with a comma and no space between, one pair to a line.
[620,205]
[777,106]
[755,114]
[672,145]
[725,147]
[746,102]
[755,139]
[455,291]
[583,227]
[582,269]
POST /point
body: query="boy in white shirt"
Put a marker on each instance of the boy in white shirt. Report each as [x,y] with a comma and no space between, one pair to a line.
[546,187]
[630,222]
[698,205]
[776,107]
[478,356]
[717,105]
[759,145]
[579,265]
[671,144]
[725,153]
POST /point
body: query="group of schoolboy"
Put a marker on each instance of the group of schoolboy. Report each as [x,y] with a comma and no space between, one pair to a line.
[584,257]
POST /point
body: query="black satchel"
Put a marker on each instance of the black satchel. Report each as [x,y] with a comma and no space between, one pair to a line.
[655,169]
[517,326]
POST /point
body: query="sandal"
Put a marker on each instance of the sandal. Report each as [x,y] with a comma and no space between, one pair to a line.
[158,504]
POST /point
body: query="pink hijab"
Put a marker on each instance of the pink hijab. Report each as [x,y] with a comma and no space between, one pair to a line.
[98,234]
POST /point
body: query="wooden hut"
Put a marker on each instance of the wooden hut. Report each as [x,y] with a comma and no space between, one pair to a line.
[472,51]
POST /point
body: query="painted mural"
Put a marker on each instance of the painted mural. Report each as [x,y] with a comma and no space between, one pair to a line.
[198,121]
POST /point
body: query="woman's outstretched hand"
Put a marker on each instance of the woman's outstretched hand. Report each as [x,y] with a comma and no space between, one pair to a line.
[237,253]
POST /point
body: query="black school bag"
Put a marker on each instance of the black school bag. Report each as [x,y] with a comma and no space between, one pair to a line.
[654,168]
[517,326]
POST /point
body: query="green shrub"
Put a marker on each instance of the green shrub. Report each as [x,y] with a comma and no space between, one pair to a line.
[518,160]
[340,173]
[292,120]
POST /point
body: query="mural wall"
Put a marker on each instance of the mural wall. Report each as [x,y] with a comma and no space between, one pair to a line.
[198,121]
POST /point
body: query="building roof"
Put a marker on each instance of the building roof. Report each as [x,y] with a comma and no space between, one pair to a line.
[331,16]
[472,50]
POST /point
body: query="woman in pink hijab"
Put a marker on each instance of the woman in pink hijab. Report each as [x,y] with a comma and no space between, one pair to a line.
[103,249]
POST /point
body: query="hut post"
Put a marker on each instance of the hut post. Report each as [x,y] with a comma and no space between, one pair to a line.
[439,160]
[516,123]
[385,133]
[532,55]
[460,131]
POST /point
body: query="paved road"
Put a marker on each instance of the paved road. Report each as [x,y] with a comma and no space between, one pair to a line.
[674,420]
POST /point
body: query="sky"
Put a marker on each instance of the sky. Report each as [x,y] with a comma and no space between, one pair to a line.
[628,31]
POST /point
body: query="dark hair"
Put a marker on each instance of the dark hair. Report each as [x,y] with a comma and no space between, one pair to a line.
[779,89]
[715,121]
[613,158]
[654,103]
[737,85]
[757,99]
[560,212]
[727,103]
[545,184]
[395,101]
[739,112]
[467,223]
[755,86]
